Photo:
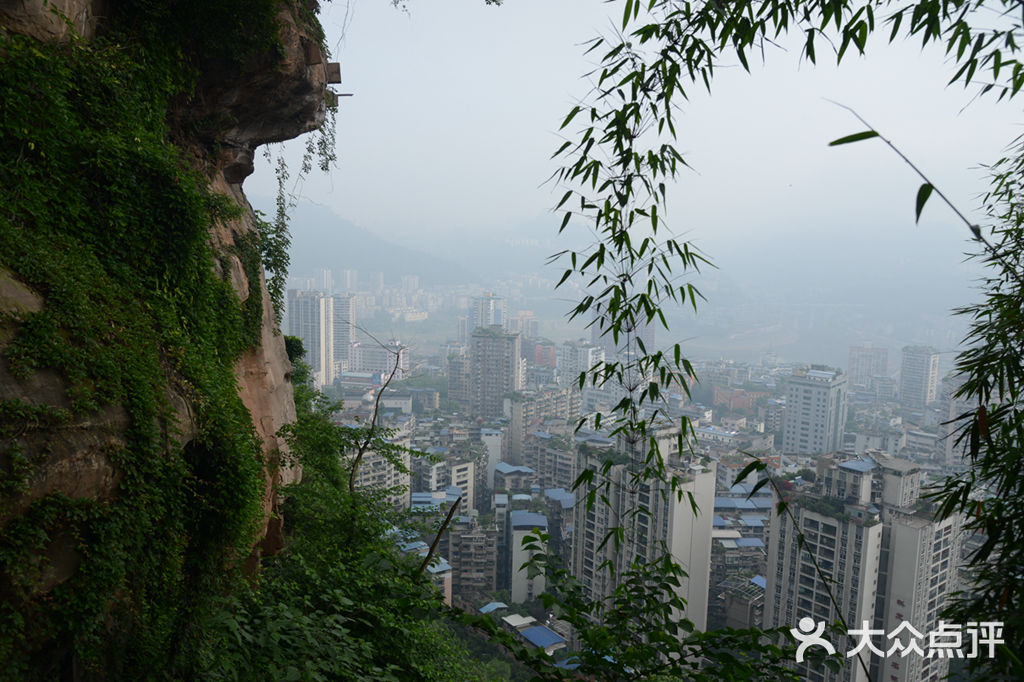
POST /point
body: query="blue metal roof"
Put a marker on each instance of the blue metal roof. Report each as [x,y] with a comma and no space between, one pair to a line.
[520,518]
[541,434]
[493,606]
[506,468]
[735,503]
[861,465]
[719,522]
[752,520]
[760,581]
[541,636]
[560,495]
[749,542]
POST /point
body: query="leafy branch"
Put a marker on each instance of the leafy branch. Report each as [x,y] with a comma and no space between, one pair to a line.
[924,192]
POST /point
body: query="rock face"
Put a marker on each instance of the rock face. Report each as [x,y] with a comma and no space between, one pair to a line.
[45,19]
[273,98]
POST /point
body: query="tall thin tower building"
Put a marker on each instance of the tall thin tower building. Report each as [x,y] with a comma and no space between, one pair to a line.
[842,535]
[919,376]
[815,411]
[865,364]
[344,330]
[495,369]
[487,311]
[667,522]
[311,318]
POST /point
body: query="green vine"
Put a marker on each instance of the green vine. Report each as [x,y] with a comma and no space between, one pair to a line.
[108,222]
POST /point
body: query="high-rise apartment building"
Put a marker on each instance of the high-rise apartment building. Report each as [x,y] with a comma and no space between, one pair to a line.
[495,369]
[311,318]
[522,523]
[887,563]
[919,376]
[458,379]
[348,281]
[487,311]
[815,411]
[344,330]
[844,538]
[576,358]
[951,408]
[390,359]
[670,523]
[865,364]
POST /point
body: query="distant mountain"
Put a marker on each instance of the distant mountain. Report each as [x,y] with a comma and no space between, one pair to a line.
[322,239]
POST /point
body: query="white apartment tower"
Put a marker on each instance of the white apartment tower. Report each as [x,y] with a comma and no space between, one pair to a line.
[889,564]
[671,525]
[344,330]
[486,311]
[843,535]
[919,376]
[917,569]
[815,411]
[865,364]
[311,318]
[575,358]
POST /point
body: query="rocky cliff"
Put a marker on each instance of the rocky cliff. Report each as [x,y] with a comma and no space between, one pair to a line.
[143,379]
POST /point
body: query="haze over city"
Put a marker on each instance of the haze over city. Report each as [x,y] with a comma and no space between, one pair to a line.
[794,227]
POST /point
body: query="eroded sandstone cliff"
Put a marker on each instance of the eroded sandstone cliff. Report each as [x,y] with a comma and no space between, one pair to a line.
[79,457]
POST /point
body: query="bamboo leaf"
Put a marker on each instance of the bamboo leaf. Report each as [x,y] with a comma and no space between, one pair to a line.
[856,137]
[923,193]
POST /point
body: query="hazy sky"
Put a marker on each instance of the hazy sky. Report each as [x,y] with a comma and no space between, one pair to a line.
[456,106]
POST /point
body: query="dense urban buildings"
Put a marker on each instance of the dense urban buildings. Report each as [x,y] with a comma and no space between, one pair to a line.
[860,535]
[495,417]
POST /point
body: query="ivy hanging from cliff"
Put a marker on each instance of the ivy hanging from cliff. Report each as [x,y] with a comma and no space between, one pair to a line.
[104,218]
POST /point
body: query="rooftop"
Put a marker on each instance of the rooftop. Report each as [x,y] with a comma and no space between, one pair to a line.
[522,519]
[506,468]
[493,606]
[514,620]
[541,636]
[860,465]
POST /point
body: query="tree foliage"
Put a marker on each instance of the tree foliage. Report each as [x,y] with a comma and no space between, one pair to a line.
[339,602]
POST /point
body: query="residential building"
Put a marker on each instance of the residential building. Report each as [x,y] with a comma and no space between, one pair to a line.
[387,359]
[495,369]
[865,364]
[669,523]
[815,411]
[919,376]
[890,565]
[841,536]
[577,358]
[523,586]
[487,310]
[344,330]
[311,318]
